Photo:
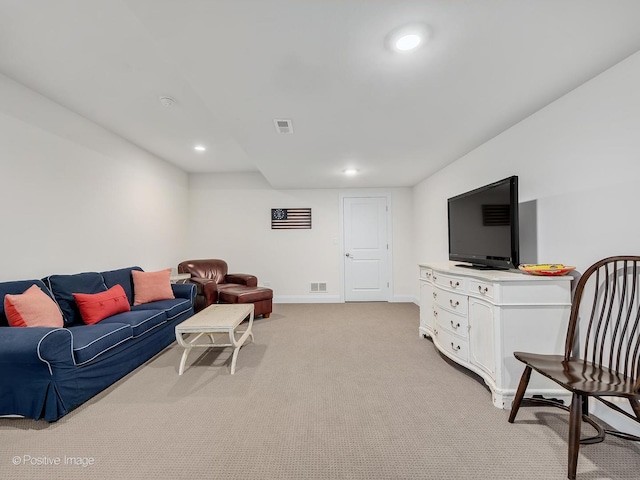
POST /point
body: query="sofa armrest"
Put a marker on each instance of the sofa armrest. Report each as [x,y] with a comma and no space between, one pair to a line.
[208,288]
[242,279]
[23,347]
[184,290]
[56,348]
[32,360]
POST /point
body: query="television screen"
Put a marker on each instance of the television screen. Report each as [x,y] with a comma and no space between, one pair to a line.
[483,225]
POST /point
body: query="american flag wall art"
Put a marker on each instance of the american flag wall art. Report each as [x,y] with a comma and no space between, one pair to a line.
[290,218]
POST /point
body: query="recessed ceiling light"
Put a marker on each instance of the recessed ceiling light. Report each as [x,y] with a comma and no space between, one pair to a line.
[200,148]
[350,171]
[408,42]
[407,38]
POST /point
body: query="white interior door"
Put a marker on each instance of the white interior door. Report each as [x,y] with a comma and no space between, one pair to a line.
[366,249]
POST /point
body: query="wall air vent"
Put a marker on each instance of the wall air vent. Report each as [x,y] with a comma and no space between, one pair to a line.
[283,125]
[318,287]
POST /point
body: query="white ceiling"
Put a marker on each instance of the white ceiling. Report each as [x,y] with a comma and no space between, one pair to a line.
[234,65]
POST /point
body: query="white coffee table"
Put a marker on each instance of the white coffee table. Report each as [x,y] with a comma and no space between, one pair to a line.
[215,319]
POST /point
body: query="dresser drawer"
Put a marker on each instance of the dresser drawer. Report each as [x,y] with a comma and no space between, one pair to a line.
[452,283]
[452,344]
[455,324]
[451,301]
[426,273]
[483,289]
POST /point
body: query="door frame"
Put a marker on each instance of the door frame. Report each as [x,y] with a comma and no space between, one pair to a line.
[367,194]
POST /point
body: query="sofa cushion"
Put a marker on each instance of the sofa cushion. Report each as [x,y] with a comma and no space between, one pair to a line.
[14,288]
[98,306]
[123,277]
[33,308]
[140,321]
[172,307]
[64,286]
[151,286]
[91,341]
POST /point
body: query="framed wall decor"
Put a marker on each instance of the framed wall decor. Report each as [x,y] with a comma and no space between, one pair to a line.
[290,218]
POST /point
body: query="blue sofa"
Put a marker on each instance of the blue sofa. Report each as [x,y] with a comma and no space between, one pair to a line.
[46,372]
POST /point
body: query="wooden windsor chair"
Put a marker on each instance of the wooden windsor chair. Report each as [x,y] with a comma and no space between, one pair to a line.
[602,350]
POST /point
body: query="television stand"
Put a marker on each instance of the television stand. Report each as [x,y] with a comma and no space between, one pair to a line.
[480,267]
[478,318]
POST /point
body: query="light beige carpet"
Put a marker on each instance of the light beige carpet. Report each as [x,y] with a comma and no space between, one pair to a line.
[339,391]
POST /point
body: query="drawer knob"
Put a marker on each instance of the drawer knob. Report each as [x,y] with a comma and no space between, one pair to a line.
[455,348]
[454,285]
[435,295]
[455,326]
[483,291]
[454,305]
[435,314]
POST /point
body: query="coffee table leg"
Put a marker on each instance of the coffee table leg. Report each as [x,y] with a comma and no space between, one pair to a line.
[233,360]
[236,348]
[187,349]
[238,343]
[183,360]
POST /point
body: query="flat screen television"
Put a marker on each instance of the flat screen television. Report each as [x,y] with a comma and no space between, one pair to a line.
[483,226]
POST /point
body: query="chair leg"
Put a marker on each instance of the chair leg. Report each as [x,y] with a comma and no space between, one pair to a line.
[575,419]
[635,405]
[522,387]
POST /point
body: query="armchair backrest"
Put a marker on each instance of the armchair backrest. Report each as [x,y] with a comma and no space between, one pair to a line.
[213,269]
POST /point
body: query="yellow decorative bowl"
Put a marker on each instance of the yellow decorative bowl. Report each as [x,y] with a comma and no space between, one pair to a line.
[548,269]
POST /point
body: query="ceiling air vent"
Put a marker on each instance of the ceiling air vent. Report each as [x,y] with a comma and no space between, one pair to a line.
[167,101]
[283,125]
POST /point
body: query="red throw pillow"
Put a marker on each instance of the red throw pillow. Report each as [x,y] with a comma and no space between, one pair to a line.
[151,286]
[33,308]
[98,306]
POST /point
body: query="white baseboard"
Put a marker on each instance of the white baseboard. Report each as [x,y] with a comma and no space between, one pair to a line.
[613,418]
[405,299]
[315,298]
[325,298]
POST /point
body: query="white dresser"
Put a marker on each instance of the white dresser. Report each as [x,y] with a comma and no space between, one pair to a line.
[478,318]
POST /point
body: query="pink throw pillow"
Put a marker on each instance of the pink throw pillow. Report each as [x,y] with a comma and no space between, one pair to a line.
[98,306]
[151,286]
[33,308]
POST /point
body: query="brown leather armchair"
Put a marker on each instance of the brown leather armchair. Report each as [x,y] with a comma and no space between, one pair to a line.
[215,285]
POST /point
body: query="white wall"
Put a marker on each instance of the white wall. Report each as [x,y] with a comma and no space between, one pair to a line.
[578,159]
[76,197]
[230,219]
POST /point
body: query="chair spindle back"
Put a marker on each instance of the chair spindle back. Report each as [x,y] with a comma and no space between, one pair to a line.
[605,317]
